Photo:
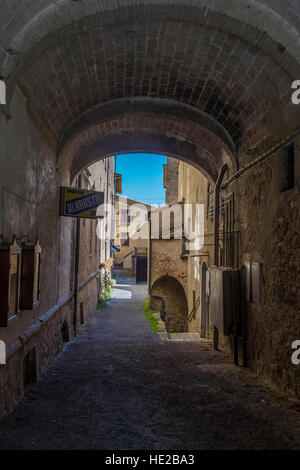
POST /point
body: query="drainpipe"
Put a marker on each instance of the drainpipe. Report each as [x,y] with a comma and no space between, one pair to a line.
[217,231]
[77,255]
[217,213]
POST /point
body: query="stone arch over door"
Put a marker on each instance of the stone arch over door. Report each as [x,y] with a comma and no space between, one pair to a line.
[175,303]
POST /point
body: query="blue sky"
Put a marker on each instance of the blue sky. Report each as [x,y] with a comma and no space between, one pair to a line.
[142,176]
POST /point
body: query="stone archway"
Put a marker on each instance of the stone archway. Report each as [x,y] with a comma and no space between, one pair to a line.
[175,303]
[207,82]
[99,72]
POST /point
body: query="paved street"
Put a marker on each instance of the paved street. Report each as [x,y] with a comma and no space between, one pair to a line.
[119,386]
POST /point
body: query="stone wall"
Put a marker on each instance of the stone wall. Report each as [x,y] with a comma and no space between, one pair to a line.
[30,190]
[135,240]
[192,189]
[260,38]
[171,180]
[270,225]
[174,303]
[46,337]
[166,261]
[30,210]
[170,258]
[168,279]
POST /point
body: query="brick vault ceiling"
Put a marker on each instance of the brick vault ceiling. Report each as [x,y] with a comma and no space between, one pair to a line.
[233,72]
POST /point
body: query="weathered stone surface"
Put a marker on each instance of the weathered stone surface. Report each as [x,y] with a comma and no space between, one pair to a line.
[48,342]
[68,68]
[30,185]
[267,226]
[223,61]
[270,227]
[171,180]
[184,395]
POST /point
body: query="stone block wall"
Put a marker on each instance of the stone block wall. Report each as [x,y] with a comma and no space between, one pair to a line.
[46,338]
[269,225]
[30,188]
[166,261]
[171,180]
[169,281]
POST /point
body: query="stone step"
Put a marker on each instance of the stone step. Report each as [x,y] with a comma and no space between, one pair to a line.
[183,337]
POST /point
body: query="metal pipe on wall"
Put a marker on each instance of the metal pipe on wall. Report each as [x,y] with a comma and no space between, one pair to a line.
[217,234]
[261,158]
[76,268]
[217,213]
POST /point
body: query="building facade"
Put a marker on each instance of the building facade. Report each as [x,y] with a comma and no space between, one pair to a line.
[211,85]
[131,235]
[269,277]
[65,272]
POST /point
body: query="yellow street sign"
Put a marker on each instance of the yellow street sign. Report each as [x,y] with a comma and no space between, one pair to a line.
[83,203]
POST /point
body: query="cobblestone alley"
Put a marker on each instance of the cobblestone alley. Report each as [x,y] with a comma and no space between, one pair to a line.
[119,386]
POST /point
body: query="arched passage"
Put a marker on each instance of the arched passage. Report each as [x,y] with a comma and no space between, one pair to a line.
[146,125]
[175,303]
[190,136]
[208,82]
[230,66]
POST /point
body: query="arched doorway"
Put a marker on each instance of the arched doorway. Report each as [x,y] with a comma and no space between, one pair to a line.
[175,303]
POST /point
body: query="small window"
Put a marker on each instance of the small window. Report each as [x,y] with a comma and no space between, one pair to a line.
[287,168]
[125,239]
[30,276]
[65,332]
[10,259]
[124,217]
[118,183]
[14,285]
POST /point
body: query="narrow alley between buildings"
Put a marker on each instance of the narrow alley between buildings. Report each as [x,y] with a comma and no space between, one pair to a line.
[120,386]
[159,139]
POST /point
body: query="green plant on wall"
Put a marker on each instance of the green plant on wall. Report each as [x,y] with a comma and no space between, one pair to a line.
[210,334]
[105,289]
[149,314]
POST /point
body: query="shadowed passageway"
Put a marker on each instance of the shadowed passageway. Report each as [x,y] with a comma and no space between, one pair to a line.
[118,386]
[212,86]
